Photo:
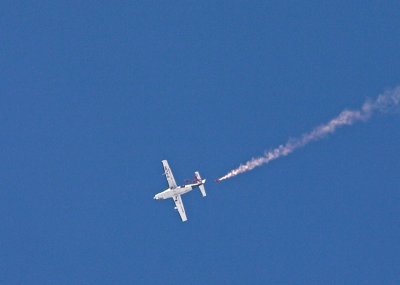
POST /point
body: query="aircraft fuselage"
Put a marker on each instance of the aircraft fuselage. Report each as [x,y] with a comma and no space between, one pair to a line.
[169,193]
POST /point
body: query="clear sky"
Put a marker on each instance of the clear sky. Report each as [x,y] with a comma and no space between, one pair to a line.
[94,94]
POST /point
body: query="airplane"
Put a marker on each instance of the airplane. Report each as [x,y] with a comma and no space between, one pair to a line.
[175,191]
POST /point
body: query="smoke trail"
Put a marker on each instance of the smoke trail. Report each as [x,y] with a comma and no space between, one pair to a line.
[385,102]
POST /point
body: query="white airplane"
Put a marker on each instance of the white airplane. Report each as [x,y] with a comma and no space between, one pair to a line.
[175,191]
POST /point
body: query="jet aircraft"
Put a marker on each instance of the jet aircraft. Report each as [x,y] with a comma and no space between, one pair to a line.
[175,191]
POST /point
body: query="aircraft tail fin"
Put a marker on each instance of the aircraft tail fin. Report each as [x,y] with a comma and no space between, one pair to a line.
[201,186]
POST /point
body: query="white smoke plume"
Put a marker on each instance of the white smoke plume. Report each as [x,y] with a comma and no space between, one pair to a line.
[385,102]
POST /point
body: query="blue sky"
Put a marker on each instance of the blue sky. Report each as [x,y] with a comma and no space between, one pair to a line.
[95,94]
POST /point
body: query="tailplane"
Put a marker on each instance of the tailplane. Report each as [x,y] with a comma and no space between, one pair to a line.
[201,185]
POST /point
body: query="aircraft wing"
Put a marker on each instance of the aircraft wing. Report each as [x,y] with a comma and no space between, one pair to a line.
[169,175]
[179,207]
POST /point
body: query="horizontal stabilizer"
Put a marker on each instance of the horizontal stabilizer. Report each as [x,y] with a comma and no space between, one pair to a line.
[201,186]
